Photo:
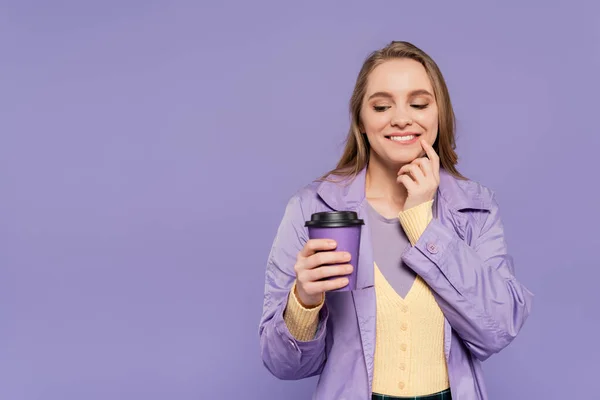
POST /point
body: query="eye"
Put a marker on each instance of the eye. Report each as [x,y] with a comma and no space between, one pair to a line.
[419,106]
[381,108]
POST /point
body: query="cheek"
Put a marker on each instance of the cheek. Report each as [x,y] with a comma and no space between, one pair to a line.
[429,120]
[374,122]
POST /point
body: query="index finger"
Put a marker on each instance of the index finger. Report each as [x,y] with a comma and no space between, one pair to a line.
[315,245]
[435,160]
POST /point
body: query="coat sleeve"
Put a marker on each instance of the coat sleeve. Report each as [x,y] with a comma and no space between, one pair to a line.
[283,355]
[475,285]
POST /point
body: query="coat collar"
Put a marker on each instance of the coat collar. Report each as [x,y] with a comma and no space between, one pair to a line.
[348,193]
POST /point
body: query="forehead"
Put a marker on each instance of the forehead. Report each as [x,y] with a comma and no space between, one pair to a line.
[398,76]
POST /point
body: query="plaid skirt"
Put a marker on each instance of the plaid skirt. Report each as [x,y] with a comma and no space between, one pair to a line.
[443,395]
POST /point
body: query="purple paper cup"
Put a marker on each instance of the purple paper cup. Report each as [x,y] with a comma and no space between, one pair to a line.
[344,227]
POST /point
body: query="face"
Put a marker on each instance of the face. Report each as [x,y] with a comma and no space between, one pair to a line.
[398,110]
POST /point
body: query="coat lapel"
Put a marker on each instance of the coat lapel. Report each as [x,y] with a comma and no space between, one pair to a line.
[452,198]
[349,195]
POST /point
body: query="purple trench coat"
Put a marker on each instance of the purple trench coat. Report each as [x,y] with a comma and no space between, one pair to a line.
[462,255]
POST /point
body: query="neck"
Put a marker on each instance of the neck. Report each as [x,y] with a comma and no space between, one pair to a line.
[382,185]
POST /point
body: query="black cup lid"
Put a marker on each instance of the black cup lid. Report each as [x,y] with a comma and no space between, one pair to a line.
[334,219]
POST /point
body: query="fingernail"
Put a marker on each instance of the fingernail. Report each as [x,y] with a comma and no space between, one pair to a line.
[331,243]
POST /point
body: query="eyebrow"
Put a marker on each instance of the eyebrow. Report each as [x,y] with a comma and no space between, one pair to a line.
[417,92]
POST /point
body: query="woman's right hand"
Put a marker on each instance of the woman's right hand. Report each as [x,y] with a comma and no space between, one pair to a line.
[311,271]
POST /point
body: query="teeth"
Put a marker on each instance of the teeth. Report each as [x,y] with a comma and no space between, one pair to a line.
[402,138]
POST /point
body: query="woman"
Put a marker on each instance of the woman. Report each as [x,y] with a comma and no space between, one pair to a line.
[436,292]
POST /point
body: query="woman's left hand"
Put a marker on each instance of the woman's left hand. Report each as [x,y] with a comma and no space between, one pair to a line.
[421,177]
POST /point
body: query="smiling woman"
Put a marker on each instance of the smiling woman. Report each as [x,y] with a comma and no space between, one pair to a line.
[435,291]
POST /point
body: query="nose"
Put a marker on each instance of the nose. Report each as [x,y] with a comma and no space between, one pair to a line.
[401,118]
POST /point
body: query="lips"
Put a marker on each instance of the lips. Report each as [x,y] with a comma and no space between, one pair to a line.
[406,138]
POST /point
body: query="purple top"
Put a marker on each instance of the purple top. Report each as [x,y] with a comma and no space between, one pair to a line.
[389,242]
[461,255]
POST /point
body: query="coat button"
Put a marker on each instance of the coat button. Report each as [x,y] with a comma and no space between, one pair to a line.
[432,248]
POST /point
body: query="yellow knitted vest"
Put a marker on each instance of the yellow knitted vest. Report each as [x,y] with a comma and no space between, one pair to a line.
[409,346]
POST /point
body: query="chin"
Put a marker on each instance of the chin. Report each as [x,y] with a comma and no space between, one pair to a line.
[396,158]
[405,158]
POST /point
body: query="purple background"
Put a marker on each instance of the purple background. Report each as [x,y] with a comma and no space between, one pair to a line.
[147,150]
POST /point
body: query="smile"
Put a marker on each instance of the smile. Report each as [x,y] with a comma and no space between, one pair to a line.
[404,139]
